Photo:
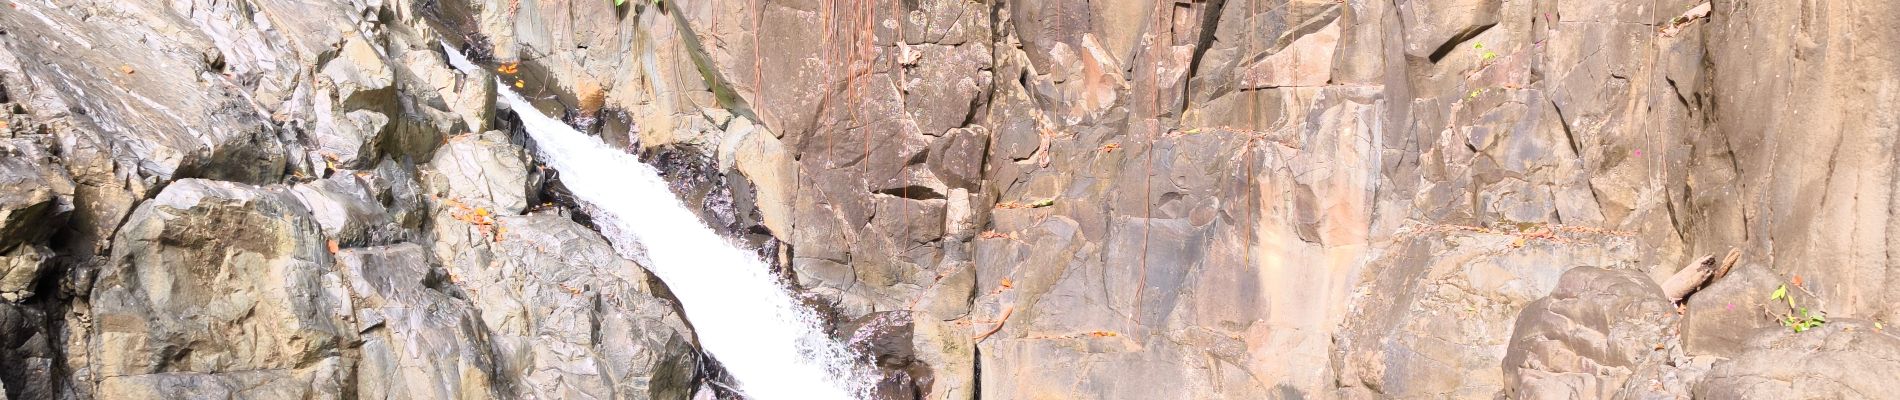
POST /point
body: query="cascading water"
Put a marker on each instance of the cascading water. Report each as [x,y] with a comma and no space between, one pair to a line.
[742,313]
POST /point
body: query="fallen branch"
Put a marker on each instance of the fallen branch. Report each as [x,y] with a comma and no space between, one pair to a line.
[1728,263]
[1690,278]
[1676,25]
[998,327]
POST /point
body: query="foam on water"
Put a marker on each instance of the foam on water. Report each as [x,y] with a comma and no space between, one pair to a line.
[773,346]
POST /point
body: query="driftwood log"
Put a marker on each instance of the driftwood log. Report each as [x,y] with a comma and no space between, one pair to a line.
[1698,273]
[1689,278]
[1728,263]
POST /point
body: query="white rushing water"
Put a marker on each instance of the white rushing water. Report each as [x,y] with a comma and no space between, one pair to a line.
[743,314]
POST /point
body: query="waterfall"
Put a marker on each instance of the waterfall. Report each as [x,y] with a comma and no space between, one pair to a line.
[743,314]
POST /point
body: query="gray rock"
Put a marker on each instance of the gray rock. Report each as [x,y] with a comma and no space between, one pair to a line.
[420,338]
[1436,25]
[36,198]
[348,210]
[217,287]
[1438,319]
[1843,359]
[482,171]
[565,312]
[349,140]
[323,379]
[1586,340]
[28,348]
[19,268]
[1722,316]
[360,78]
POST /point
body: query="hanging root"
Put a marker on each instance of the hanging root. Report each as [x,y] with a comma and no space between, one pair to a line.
[998,327]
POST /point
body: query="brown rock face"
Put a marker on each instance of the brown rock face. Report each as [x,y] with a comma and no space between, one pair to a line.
[1112,199]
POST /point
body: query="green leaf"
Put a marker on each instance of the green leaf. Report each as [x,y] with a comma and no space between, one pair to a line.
[1779,293]
[618,3]
[1043,203]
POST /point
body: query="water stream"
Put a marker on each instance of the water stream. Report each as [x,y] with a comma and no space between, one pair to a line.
[743,314]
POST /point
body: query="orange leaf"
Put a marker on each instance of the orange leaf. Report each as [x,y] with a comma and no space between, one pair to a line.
[1007,283]
[333,247]
[1797,280]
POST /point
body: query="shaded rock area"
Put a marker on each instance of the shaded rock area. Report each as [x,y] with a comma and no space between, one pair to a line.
[1110,199]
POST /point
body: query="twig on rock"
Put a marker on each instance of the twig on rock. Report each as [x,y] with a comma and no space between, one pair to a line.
[998,327]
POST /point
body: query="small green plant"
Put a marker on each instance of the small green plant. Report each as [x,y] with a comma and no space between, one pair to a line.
[1043,203]
[1487,55]
[1799,323]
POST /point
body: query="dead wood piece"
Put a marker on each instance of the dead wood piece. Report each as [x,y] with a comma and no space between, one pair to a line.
[1690,278]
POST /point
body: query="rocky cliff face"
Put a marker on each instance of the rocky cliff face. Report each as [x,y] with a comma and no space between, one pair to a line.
[1235,199]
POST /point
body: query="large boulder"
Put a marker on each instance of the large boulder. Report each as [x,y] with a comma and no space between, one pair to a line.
[1722,317]
[28,348]
[1844,359]
[568,315]
[482,171]
[421,338]
[1588,337]
[35,198]
[220,288]
[1436,317]
[348,209]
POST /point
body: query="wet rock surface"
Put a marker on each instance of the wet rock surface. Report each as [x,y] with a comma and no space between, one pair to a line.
[1234,199]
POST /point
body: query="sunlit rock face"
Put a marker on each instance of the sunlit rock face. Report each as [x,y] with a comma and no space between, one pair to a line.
[1228,199]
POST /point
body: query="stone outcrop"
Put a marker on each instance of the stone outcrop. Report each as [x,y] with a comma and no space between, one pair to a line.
[1597,330]
[1845,359]
[243,200]
[218,286]
[1004,199]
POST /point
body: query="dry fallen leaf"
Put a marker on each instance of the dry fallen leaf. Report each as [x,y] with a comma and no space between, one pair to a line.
[127,69]
[1008,284]
[333,247]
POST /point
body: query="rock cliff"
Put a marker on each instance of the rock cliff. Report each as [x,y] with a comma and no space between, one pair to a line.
[996,199]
